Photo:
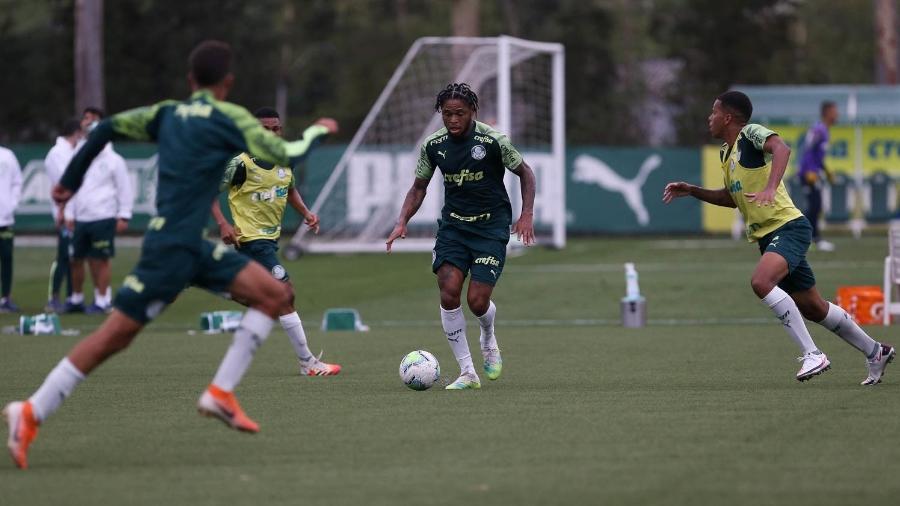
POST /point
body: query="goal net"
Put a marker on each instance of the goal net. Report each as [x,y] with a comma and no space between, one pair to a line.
[520,88]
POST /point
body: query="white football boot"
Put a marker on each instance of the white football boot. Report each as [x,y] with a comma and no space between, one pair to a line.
[812,364]
[879,363]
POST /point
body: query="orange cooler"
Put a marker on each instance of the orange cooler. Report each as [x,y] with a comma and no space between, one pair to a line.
[864,303]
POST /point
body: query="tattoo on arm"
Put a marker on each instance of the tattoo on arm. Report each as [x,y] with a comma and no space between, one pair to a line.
[528,184]
[414,198]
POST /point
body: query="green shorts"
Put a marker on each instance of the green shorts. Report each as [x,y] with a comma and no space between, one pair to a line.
[265,251]
[167,268]
[468,251]
[94,239]
[791,242]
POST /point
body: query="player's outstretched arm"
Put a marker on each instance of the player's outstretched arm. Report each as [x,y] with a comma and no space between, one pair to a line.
[250,136]
[781,153]
[72,178]
[309,217]
[719,197]
[411,204]
[138,124]
[298,150]
[226,231]
[524,226]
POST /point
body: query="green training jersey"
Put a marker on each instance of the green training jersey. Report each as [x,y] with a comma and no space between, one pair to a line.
[196,138]
[473,167]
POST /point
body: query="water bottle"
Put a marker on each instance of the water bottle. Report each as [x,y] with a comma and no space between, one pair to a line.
[634,306]
[632,290]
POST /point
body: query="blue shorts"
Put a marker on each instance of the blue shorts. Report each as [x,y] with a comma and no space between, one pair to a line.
[791,241]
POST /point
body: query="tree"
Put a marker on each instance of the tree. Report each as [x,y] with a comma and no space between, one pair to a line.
[89,85]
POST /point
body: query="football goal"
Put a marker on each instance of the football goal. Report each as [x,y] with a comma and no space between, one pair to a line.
[520,85]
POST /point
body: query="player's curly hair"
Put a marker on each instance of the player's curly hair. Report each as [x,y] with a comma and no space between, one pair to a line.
[461,91]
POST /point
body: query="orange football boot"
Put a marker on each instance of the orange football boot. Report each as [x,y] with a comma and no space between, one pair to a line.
[23,428]
[223,405]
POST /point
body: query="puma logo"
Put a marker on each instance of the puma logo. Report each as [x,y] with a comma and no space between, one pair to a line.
[592,170]
[785,319]
[443,154]
[456,333]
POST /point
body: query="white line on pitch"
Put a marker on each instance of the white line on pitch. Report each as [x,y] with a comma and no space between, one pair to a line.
[677,267]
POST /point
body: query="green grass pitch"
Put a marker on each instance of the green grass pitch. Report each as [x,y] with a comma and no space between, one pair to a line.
[699,407]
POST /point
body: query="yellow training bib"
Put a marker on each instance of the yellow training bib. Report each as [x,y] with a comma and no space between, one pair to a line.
[257,205]
[746,168]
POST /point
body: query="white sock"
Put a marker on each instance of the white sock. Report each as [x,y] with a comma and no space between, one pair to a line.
[101,299]
[486,321]
[58,385]
[76,298]
[254,329]
[838,321]
[454,322]
[294,327]
[786,310]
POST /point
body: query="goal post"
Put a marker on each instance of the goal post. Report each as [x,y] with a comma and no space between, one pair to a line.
[520,85]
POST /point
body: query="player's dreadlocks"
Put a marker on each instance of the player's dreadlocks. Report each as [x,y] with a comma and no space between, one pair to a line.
[457,90]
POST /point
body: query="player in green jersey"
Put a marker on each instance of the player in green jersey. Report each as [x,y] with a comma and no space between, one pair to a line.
[196,139]
[475,222]
[754,159]
[257,195]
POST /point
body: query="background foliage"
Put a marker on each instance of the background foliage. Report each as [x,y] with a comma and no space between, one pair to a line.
[340,53]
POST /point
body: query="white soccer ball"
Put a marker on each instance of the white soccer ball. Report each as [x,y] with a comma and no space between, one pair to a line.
[419,370]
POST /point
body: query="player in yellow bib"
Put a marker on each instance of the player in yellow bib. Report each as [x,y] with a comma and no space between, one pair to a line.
[754,159]
[258,193]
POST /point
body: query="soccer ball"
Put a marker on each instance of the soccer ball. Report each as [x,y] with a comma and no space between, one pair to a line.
[419,370]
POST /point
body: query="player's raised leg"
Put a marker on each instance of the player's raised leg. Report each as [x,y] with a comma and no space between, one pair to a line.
[834,318]
[24,417]
[450,282]
[266,297]
[481,305]
[770,270]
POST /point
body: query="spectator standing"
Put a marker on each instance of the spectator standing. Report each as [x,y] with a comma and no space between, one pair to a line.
[10,192]
[99,211]
[55,164]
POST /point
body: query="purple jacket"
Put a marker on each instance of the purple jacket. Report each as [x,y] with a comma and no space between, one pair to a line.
[814,147]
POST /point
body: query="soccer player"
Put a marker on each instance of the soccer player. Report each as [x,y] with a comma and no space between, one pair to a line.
[812,168]
[754,159]
[474,227]
[101,210]
[55,164]
[257,194]
[10,192]
[196,139]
